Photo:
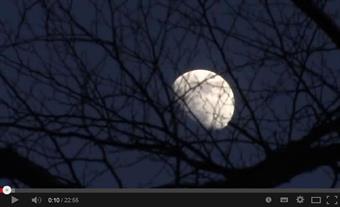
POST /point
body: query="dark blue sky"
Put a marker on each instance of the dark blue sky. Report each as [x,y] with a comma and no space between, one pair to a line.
[118,77]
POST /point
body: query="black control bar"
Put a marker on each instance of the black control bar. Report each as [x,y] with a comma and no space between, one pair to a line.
[171,198]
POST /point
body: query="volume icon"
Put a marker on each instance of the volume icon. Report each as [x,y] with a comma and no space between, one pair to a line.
[36,200]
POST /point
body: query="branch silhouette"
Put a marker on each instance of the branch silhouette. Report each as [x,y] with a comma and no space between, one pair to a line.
[28,172]
[321,18]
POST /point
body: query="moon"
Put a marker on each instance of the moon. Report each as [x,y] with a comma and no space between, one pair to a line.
[206,97]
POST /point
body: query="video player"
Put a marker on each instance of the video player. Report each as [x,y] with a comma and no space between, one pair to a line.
[169,103]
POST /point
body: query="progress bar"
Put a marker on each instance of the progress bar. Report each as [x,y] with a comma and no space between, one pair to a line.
[92,197]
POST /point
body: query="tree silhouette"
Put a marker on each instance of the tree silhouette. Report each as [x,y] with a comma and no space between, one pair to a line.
[86,94]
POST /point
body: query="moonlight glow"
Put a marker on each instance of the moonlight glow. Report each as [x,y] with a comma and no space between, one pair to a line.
[206,97]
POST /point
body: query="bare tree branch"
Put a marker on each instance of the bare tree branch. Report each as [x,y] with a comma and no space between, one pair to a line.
[28,172]
[321,18]
[281,166]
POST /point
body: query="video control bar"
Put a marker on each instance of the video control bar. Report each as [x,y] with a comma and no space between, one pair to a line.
[169,197]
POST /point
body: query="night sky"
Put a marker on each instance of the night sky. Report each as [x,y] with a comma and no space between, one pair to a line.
[86,93]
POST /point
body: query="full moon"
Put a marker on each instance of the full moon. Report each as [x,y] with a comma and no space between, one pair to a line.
[206,97]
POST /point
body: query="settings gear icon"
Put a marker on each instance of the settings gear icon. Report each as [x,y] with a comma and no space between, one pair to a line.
[300,199]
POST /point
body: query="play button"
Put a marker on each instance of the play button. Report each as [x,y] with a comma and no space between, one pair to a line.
[14,200]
